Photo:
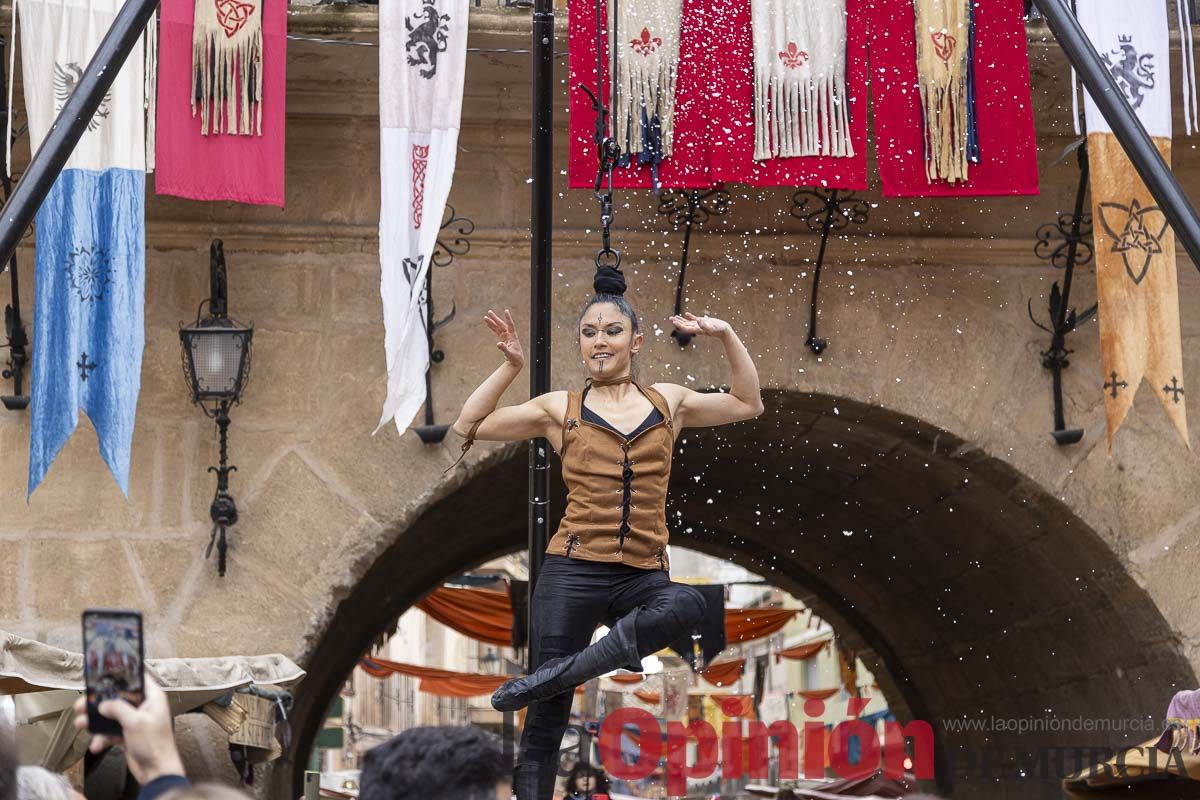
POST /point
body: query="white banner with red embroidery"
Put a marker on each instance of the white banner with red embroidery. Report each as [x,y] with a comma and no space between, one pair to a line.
[422,64]
[645,42]
[800,103]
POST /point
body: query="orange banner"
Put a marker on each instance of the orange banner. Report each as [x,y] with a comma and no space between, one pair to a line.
[1136,287]
[803,651]
[482,614]
[486,615]
[724,673]
[440,682]
[735,705]
[744,624]
[634,678]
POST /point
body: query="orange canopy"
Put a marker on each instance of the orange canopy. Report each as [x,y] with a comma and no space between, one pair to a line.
[735,705]
[744,624]
[440,682]
[647,696]
[803,651]
[486,615]
[631,678]
[479,613]
[818,694]
[724,673]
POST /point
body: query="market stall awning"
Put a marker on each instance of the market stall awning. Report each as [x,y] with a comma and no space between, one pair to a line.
[30,666]
[45,682]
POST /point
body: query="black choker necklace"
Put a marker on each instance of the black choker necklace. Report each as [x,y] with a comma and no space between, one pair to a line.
[612,382]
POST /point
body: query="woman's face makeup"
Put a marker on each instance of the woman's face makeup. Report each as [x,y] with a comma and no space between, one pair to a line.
[606,341]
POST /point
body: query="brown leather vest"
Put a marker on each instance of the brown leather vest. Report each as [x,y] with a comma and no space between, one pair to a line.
[616,489]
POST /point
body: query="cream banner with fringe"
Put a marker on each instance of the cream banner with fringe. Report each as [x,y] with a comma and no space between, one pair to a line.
[800,103]
[227,51]
[647,53]
[943,30]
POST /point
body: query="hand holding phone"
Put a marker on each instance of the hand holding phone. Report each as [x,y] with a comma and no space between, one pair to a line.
[148,738]
[112,663]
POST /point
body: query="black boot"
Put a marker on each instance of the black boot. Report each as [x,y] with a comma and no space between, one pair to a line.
[618,648]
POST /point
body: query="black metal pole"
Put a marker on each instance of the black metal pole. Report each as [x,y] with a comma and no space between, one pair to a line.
[8,190]
[18,339]
[539,281]
[64,134]
[1060,321]
[1125,125]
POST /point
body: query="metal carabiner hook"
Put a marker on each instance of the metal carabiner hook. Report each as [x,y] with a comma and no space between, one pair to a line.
[602,261]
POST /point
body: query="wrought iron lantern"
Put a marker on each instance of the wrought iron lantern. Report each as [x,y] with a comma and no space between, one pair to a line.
[216,364]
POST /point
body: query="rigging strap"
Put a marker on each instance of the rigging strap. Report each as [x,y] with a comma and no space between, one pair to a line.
[607,150]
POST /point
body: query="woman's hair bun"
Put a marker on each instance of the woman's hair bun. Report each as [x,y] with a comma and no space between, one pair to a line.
[609,280]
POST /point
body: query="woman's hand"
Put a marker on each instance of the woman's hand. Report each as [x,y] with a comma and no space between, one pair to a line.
[509,344]
[692,325]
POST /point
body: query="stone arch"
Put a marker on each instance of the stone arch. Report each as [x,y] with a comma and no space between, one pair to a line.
[967,588]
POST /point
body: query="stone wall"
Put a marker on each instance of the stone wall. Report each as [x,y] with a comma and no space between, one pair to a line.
[925,310]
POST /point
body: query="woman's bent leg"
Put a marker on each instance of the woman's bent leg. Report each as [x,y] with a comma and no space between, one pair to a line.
[665,610]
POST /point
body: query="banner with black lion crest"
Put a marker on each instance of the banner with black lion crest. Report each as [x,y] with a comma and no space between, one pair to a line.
[1135,248]
[422,65]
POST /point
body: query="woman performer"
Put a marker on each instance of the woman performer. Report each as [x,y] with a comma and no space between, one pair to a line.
[607,563]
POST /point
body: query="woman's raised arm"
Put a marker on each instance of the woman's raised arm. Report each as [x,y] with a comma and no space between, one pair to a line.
[512,423]
[744,399]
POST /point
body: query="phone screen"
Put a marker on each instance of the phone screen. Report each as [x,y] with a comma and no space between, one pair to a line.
[112,662]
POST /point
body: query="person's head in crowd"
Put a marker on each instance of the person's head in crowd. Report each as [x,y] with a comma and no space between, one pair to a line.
[205,791]
[586,780]
[436,763]
[8,762]
[35,783]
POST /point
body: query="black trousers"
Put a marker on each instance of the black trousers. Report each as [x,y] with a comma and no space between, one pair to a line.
[571,598]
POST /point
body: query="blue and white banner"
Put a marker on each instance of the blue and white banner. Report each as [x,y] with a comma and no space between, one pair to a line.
[90,275]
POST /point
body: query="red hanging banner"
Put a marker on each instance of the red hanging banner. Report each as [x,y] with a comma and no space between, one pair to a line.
[689,164]
[1007,145]
[731,71]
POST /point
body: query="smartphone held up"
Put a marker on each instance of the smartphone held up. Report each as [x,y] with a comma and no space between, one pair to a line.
[112,663]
